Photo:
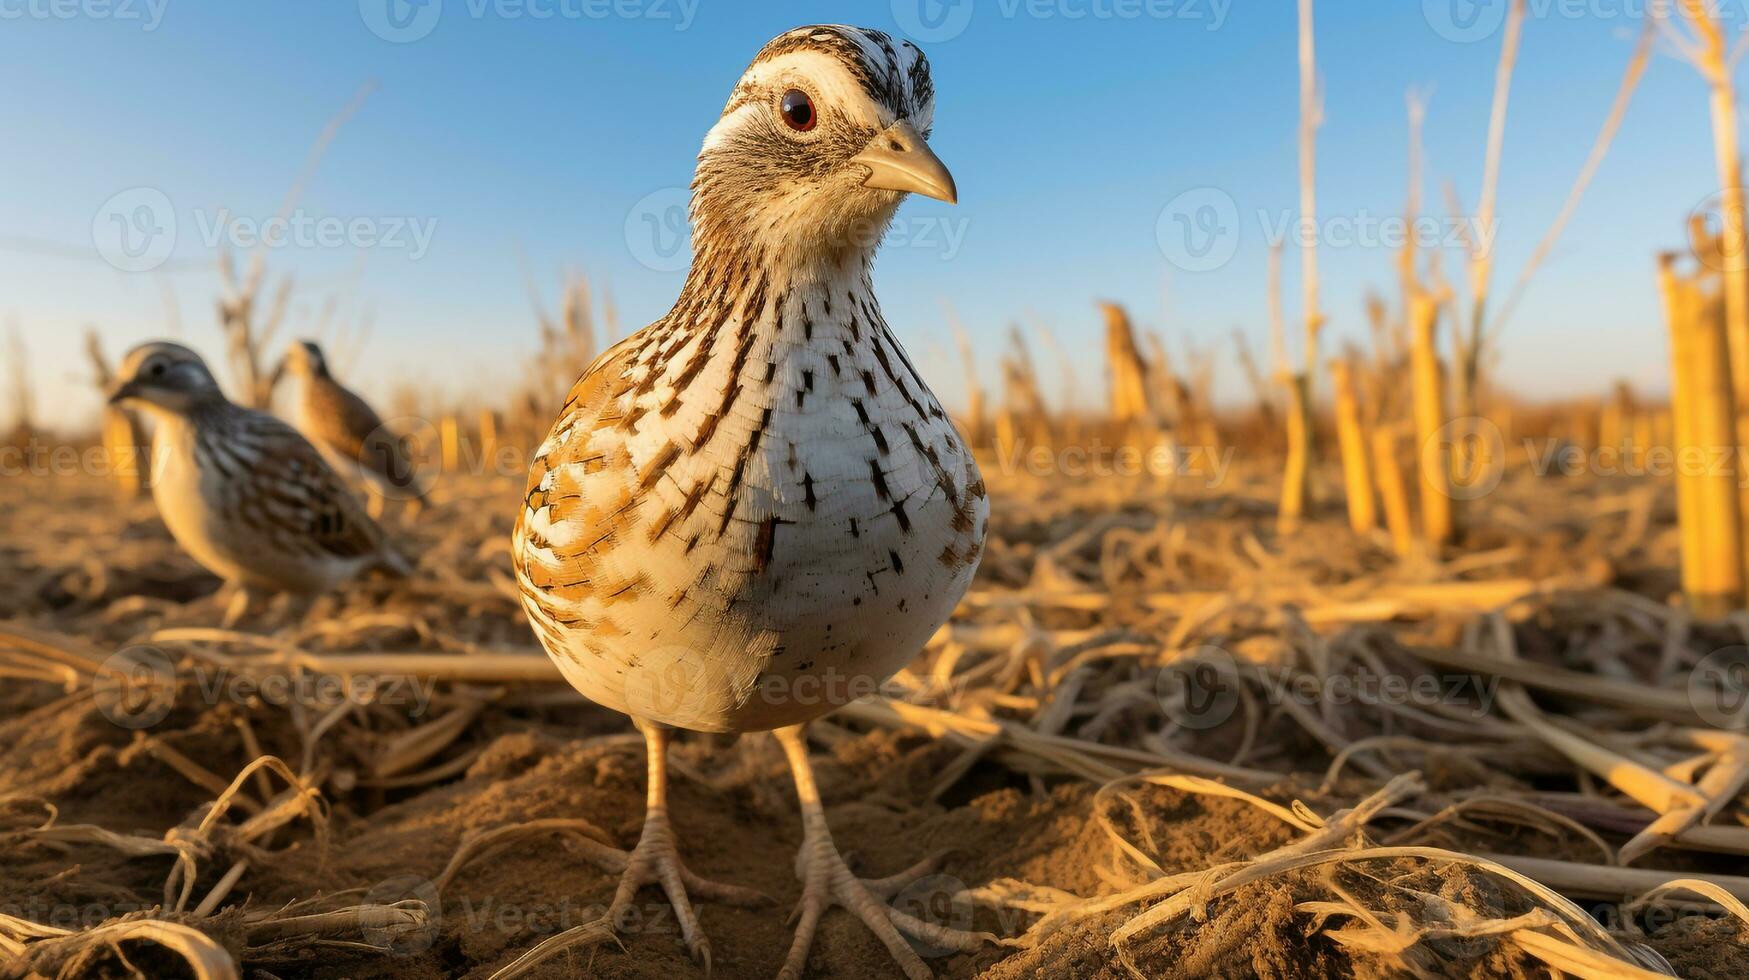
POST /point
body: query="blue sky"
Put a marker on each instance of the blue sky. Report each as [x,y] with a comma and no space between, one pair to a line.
[557,129]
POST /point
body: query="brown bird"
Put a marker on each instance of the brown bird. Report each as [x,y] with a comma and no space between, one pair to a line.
[351,435]
[242,492]
[754,510]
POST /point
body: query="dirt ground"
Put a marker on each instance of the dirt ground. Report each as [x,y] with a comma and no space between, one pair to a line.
[74,564]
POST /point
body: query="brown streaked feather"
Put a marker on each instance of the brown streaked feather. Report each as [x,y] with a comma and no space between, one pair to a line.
[348,426]
[317,506]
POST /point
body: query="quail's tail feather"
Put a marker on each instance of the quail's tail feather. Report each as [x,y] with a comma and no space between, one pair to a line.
[394,563]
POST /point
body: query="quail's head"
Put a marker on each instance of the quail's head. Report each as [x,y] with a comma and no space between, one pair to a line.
[164,376]
[305,359]
[825,134]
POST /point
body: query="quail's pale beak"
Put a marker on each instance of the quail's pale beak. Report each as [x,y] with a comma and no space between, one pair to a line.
[899,160]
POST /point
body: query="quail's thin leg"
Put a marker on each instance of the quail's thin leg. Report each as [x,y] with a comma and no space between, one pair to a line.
[827,881]
[236,607]
[656,860]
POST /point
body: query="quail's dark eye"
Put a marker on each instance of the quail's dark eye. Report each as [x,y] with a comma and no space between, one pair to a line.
[156,370]
[798,110]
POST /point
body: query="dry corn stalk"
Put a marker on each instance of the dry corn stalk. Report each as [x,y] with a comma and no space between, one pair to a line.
[124,439]
[1356,468]
[1296,476]
[1434,463]
[1710,53]
[1129,372]
[1469,344]
[1392,490]
[1708,503]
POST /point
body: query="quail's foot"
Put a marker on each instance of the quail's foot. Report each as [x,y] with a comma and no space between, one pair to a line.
[656,861]
[827,881]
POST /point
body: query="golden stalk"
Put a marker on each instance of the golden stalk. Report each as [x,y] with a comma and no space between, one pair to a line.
[1434,463]
[124,438]
[1393,490]
[1708,503]
[1296,476]
[1356,469]
[1129,371]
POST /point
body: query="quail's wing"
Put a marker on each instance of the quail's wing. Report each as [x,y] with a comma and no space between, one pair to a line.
[353,429]
[297,497]
[573,492]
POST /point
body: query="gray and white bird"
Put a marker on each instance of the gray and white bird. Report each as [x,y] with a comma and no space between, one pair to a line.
[754,510]
[242,492]
[351,435]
